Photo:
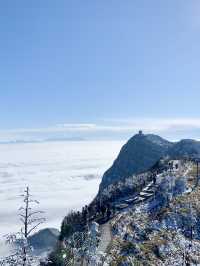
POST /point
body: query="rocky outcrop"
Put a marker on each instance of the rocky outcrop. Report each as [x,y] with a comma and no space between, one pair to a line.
[139,154]
[142,152]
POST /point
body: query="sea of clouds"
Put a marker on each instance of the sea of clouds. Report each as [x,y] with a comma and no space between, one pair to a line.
[61,175]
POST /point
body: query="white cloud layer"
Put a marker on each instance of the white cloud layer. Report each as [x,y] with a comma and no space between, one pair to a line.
[107,128]
[62,176]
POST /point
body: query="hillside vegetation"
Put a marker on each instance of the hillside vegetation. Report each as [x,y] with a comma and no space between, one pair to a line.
[147,211]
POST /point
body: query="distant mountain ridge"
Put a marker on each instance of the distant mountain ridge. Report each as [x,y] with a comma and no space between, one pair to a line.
[61,139]
[142,151]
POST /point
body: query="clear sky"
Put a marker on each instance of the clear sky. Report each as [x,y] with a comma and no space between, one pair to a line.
[97,63]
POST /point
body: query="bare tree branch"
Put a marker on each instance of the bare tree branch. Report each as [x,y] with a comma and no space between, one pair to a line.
[30,221]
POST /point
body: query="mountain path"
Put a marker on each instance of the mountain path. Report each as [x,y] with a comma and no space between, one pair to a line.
[105,229]
[106,237]
[147,192]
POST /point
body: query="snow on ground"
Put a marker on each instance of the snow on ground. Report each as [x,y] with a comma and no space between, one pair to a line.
[139,237]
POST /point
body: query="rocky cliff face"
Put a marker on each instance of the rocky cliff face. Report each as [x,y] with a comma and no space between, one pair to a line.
[141,152]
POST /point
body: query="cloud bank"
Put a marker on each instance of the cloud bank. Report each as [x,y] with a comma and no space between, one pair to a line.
[62,176]
[173,128]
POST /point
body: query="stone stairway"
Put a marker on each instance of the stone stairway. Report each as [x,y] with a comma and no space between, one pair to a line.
[149,190]
[146,193]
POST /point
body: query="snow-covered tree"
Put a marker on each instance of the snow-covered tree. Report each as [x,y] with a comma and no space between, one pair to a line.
[30,219]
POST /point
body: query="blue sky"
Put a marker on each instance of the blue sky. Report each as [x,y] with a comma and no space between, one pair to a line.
[107,66]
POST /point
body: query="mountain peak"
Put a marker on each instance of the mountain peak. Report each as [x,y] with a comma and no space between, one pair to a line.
[139,154]
[142,151]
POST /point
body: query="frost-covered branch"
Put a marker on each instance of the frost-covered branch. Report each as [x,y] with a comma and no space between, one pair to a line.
[22,253]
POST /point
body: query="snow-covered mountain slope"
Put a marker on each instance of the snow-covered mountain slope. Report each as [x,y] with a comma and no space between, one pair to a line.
[163,229]
[147,208]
